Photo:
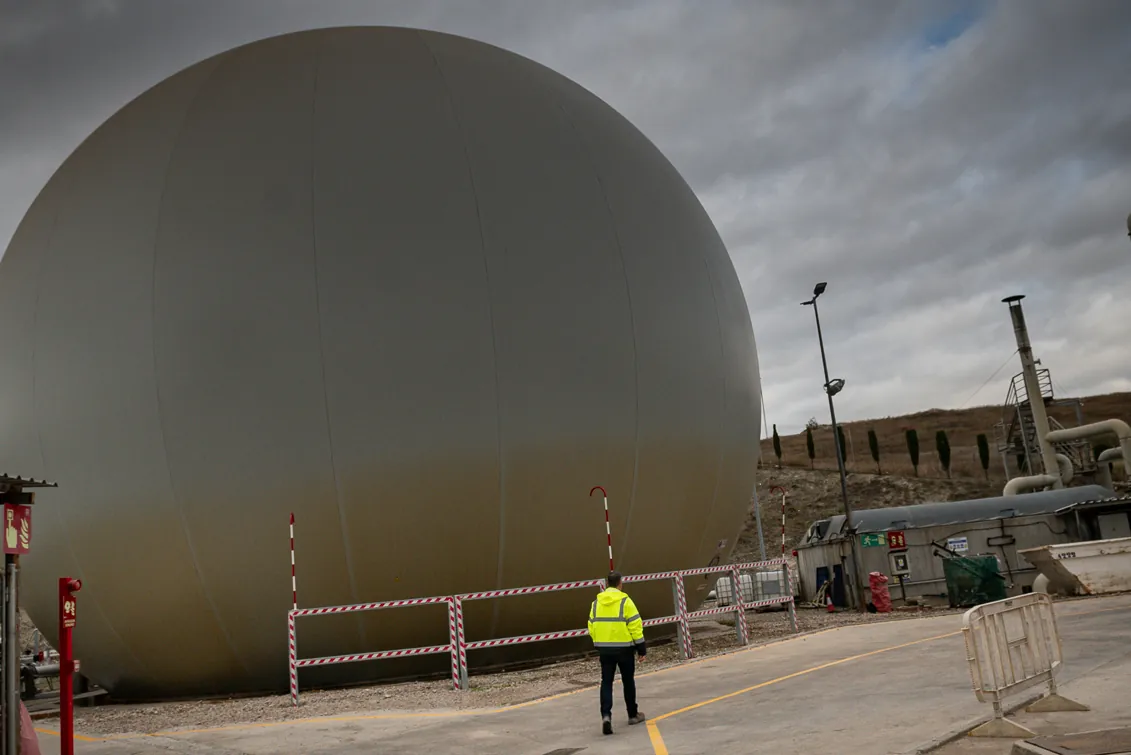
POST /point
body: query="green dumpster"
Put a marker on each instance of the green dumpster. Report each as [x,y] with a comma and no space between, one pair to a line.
[973,580]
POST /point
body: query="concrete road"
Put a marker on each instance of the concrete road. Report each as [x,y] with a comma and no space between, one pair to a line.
[880,688]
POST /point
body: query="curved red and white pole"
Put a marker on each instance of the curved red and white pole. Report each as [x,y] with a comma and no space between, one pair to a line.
[783,495]
[608,530]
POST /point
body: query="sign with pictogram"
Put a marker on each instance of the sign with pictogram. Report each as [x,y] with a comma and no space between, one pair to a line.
[871,540]
[896,540]
[900,566]
[70,612]
[17,529]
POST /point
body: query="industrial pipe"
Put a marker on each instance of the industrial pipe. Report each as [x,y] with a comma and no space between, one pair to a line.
[1064,464]
[1024,484]
[1104,462]
[1117,427]
[1033,393]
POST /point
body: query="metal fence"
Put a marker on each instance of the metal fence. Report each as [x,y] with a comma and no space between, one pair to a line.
[458,647]
[1011,645]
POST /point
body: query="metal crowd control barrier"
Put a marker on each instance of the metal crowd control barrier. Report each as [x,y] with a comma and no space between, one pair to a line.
[1013,645]
[458,646]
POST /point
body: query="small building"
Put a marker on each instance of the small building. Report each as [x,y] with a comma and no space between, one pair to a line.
[997,526]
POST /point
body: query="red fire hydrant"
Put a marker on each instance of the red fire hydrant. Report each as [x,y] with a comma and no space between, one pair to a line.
[881,598]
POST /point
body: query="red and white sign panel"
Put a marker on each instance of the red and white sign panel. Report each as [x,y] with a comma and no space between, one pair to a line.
[896,540]
[17,529]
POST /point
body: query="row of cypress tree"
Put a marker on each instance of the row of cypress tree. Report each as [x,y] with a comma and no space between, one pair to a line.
[942,446]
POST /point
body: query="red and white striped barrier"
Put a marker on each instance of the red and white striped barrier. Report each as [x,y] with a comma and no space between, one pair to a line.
[522,639]
[370,606]
[331,659]
[458,645]
[295,663]
[649,577]
[728,567]
[531,590]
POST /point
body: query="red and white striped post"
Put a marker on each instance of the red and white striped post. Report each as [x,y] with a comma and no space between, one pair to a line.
[292,657]
[294,584]
[789,594]
[740,626]
[783,495]
[683,628]
[455,640]
[608,530]
[292,650]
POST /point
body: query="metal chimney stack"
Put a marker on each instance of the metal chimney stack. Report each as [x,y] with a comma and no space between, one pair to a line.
[1033,388]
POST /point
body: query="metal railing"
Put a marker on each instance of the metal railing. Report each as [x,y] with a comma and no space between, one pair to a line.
[1011,645]
[458,646]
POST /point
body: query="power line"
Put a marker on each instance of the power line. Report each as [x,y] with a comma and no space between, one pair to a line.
[990,378]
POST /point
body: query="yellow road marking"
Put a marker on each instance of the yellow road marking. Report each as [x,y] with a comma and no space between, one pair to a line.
[653,732]
[437,714]
[660,748]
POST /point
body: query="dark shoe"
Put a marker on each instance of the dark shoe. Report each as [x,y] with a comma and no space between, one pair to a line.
[637,719]
[606,725]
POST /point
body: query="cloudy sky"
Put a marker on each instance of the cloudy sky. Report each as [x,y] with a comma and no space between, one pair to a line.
[925,158]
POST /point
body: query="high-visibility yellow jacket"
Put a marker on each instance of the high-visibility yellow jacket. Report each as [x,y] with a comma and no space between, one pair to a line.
[614,622]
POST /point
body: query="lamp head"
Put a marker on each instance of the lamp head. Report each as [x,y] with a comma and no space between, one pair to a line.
[820,287]
[834,386]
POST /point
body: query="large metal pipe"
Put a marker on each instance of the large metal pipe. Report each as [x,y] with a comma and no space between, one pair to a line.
[1110,455]
[1104,462]
[1032,386]
[1117,427]
[1064,465]
[1035,482]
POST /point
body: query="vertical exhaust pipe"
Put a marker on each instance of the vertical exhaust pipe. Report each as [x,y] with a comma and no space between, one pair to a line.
[1033,388]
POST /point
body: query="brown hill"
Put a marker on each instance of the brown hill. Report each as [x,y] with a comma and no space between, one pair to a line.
[962,427]
[815,493]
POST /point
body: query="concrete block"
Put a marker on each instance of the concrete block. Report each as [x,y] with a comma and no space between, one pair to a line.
[1056,703]
[1100,742]
[1002,727]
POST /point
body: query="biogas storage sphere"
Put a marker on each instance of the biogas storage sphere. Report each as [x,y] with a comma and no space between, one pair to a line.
[421,292]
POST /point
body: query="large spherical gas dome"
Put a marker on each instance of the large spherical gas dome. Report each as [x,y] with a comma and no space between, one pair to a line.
[420,291]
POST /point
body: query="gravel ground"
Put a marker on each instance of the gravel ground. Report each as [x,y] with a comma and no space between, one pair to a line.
[487,690]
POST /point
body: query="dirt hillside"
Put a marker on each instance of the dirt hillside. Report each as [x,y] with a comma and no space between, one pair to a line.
[962,428]
[815,494]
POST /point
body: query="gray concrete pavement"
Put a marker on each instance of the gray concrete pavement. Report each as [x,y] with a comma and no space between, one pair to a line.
[874,689]
[1104,688]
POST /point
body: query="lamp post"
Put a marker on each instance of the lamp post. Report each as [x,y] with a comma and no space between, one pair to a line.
[833,387]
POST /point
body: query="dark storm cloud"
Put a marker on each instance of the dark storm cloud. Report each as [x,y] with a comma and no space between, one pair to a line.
[926,159]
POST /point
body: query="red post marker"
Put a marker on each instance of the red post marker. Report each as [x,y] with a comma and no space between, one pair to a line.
[294,584]
[783,495]
[608,531]
[68,610]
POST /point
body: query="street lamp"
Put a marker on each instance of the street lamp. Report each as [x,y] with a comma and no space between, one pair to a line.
[833,387]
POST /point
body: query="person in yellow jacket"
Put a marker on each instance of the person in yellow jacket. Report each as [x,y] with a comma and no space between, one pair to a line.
[617,632]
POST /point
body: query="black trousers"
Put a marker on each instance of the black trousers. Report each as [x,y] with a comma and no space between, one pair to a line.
[625,660]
